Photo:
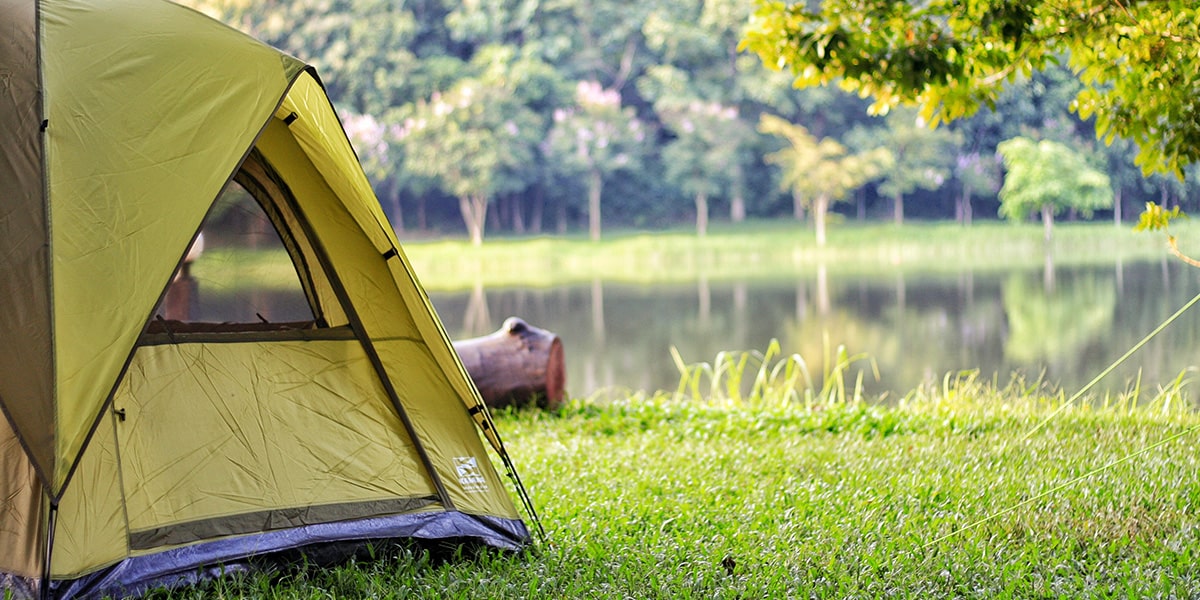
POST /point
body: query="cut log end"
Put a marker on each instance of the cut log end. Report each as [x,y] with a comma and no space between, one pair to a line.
[519,365]
[556,376]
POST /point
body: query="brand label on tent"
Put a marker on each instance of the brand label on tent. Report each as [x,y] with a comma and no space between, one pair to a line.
[469,475]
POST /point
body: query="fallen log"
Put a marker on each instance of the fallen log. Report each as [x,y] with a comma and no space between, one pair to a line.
[519,365]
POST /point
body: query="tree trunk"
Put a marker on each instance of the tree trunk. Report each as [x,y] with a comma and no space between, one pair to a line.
[518,365]
[797,206]
[595,186]
[898,209]
[397,211]
[824,305]
[492,219]
[1048,278]
[561,217]
[598,327]
[737,206]
[1117,207]
[539,205]
[737,209]
[474,214]
[476,317]
[701,215]
[501,209]
[422,222]
[518,217]
[820,207]
[1047,222]
[704,302]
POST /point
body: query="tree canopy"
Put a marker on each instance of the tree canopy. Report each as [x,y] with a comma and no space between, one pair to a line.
[819,172]
[1137,60]
[682,103]
[595,138]
[470,140]
[1048,177]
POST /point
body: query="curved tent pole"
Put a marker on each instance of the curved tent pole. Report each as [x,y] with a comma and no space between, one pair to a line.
[485,424]
[360,333]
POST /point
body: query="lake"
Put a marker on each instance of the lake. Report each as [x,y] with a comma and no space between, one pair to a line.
[1063,325]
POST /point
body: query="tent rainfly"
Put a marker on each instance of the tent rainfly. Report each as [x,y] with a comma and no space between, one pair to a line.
[145,447]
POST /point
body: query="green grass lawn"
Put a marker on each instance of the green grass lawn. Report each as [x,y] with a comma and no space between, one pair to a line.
[964,490]
[772,250]
[747,251]
[955,492]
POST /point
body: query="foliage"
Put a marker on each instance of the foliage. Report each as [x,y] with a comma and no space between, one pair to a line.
[1156,218]
[595,138]
[921,157]
[1049,177]
[474,141]
[704,158]
[1137,61]
[820,172]
[385,61]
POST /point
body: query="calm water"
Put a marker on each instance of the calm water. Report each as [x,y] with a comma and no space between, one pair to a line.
[1066,326]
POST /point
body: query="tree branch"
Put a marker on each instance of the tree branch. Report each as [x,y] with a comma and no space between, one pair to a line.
[1171,243]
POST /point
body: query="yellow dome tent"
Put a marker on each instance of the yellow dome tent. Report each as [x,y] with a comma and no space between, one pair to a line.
[140,449]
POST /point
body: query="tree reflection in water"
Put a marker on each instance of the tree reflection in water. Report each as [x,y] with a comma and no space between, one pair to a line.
[916,327]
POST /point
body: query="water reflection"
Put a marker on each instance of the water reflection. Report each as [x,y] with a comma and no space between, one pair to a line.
[1067,323]
[1057,324]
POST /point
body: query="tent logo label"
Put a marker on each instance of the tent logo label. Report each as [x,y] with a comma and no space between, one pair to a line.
[469,475]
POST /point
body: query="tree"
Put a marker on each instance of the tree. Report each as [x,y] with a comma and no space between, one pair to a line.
[976,173]
[1048,177]
[370,139]
[1137,61]
[696,42]
[473,141]
[595,40]
[594,139]
[363,49]
[921,157]
[704,158]
[820,172]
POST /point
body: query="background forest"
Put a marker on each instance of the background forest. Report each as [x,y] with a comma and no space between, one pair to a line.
[532,116]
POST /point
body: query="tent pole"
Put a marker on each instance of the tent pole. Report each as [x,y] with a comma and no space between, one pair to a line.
[364,339]
[52,523]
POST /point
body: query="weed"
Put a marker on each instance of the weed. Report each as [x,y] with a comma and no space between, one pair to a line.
[777,380]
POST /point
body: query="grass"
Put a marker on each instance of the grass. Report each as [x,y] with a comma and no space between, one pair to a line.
[759,479]
[772,250]
[748,251]
[967,489]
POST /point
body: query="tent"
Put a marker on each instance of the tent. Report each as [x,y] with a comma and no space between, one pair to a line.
[143,447]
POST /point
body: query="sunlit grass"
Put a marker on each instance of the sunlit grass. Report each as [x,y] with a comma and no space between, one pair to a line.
[766,250]
[967,488]
[759,478]
[756,378]
[772,250]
